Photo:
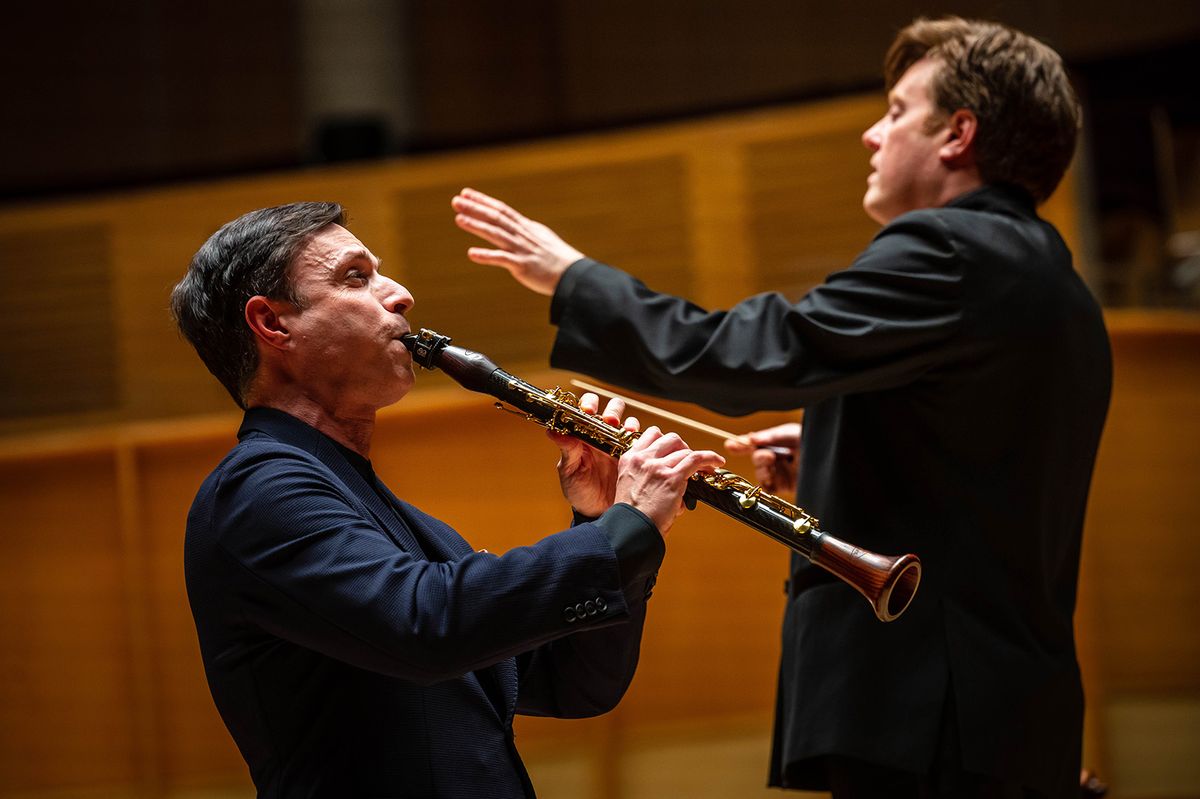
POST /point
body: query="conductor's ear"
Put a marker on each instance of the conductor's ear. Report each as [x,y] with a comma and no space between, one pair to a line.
[958,151]
[265,318]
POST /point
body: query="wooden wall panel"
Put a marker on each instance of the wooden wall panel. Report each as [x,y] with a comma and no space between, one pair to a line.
[67,710]
[1143,513]
[57,334]
[802,196]
[194,748]
[712,634]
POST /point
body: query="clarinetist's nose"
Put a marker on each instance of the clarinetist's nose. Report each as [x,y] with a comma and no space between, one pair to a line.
[397,298]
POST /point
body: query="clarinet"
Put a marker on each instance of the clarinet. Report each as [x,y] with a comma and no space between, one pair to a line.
[888,582]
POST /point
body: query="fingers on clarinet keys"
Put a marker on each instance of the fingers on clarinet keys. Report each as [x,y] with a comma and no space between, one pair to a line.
[581,611]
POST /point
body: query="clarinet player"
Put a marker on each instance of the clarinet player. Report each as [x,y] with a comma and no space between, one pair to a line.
[955,380]
[354,645]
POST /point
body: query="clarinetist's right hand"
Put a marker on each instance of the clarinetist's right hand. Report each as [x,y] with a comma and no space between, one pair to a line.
[774,451]
[653,475]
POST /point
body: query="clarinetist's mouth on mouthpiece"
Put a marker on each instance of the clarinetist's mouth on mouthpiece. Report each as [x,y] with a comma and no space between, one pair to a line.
[426,346]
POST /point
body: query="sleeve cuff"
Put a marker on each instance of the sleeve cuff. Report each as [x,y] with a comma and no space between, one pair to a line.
[566,285]
[638,545]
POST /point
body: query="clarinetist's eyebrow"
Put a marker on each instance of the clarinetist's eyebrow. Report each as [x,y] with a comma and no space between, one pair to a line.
[354,256]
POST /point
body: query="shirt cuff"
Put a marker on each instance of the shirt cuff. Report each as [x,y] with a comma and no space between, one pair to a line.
[578,518]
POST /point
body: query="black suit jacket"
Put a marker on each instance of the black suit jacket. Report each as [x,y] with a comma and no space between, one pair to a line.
[356,646]
[955,379]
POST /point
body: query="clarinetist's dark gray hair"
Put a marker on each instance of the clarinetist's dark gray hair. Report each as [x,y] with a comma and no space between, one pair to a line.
[246,257]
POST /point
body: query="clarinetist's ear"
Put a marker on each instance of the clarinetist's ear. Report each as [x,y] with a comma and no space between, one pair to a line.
[266,322]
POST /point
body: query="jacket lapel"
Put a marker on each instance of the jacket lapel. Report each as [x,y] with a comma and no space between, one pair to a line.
[389,520]
[443,542]
[289,430]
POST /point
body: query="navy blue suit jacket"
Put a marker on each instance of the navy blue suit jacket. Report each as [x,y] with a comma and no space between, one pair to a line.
[356,646]
[955,380]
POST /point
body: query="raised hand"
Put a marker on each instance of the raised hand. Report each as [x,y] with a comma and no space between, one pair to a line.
[530,251]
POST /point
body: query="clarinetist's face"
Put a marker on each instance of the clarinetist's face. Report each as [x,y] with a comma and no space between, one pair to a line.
[347,351]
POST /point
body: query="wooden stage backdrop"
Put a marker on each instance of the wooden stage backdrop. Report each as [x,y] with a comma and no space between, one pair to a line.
[108,423]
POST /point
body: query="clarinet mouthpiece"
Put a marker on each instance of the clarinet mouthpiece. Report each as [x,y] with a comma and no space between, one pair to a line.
[425,347]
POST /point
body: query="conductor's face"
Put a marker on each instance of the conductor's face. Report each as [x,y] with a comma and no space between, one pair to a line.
[346,350]
[907,171]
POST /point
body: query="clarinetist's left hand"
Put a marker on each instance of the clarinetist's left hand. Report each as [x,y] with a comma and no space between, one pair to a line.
[588,476]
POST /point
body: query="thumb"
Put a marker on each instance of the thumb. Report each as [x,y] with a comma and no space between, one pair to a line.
[567,446]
